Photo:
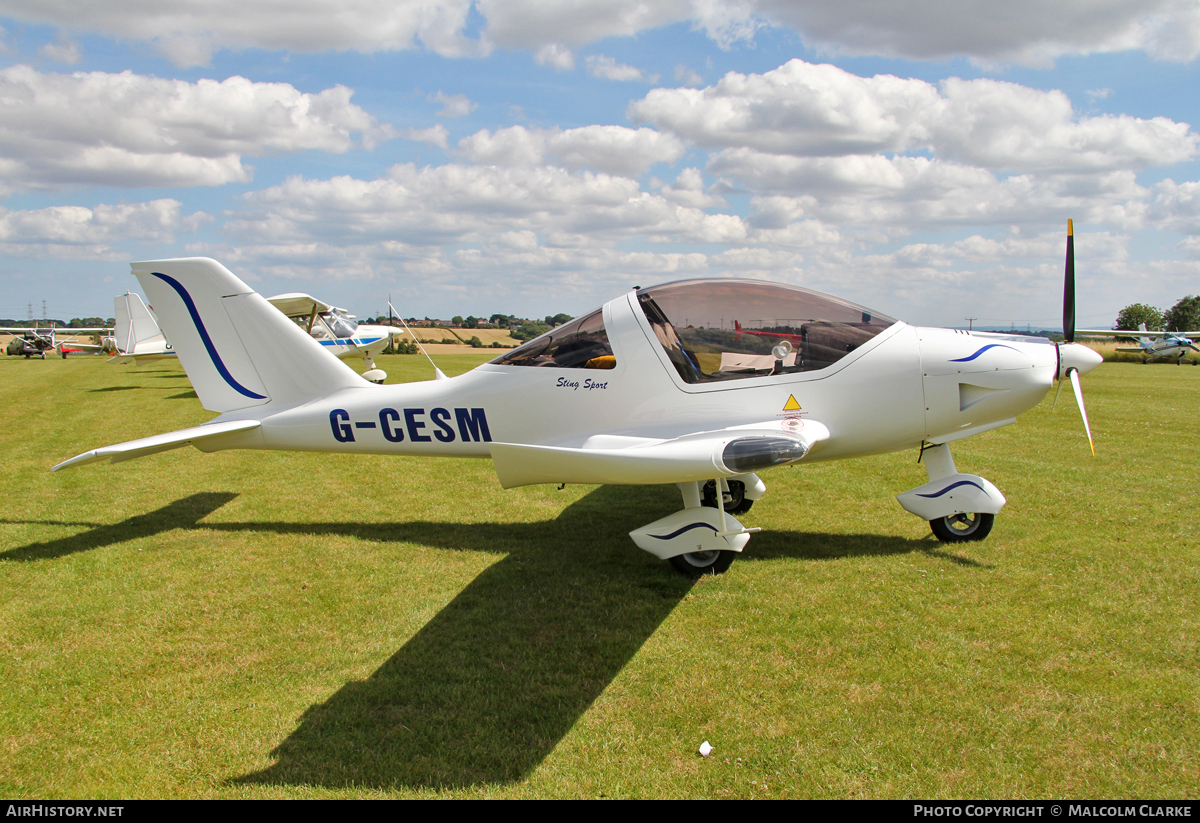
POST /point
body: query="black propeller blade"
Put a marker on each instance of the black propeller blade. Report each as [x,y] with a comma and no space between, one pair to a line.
[1069,286]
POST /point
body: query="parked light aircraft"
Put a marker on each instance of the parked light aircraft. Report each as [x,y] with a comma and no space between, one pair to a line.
[36,342]
[137,338]
[1155,345]
[629,394]
[336,330]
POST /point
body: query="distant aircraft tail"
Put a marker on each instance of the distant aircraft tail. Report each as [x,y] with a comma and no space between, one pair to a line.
[237,349]
[134,323]
[1146,342]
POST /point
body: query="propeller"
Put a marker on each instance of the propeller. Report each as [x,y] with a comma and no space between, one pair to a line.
[1072,357]
[1069,286]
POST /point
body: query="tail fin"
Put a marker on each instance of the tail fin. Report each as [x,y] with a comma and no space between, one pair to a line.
[134,323]
[1145,341]
[238,350]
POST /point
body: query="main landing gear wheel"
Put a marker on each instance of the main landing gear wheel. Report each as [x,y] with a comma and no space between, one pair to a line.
[698,564]
[959,528]
[737,503]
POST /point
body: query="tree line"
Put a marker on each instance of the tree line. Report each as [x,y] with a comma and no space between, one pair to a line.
[1183,316]
[74,323]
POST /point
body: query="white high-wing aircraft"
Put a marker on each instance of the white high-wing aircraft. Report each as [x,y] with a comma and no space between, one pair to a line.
[651,388]
[336,330]
[1154,345]
[137,338]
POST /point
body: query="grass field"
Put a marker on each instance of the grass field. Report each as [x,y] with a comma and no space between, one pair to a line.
[302,625]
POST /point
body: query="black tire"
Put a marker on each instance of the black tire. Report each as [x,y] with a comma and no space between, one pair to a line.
[698,564]
[738,502]
[959,528]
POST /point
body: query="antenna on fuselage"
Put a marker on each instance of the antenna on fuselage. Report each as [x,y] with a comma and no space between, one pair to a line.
[438,374]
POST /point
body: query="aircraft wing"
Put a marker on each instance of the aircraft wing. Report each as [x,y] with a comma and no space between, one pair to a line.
[1137,333]
[160,443]
[618,460]
[297,304]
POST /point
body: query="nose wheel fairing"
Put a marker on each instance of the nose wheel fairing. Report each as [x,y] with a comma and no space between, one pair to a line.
[958,506]
[952,495]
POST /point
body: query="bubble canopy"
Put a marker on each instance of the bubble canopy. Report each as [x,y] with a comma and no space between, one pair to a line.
[720,329]
[727,329]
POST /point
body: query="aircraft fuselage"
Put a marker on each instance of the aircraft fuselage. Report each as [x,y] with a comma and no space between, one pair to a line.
[906,386]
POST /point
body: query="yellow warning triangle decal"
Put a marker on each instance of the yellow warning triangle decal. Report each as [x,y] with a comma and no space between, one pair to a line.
[791,404]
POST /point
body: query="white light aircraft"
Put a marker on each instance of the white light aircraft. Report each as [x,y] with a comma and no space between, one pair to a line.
[1154,345]
[336,330]
[651,388]
[137,338]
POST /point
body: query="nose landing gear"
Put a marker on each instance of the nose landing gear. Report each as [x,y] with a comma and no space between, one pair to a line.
[959,507]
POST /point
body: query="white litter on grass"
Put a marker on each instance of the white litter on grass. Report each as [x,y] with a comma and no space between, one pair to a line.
[705,749]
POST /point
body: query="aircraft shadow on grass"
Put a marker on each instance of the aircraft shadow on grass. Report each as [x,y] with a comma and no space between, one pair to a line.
[182,514]
[487,688]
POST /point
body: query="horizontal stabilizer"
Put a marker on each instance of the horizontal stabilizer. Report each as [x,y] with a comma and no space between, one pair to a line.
[160,443]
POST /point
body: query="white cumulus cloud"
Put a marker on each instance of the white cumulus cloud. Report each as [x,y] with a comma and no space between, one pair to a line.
[189,31]
[803,109]
[81,232]
[456,204]
[454,105]
[557,57]
[607,68]
[612,149]
[1026,31]
[130,130]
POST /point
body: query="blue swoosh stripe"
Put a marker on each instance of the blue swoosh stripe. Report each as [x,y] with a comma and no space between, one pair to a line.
[346,341]
[688,528]
[208,343]
[955,486]
[981,351]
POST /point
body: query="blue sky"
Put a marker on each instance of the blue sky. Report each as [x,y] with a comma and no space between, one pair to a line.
[532,157]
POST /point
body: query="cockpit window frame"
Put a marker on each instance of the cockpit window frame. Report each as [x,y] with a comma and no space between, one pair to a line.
[562,335]
[754,381]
